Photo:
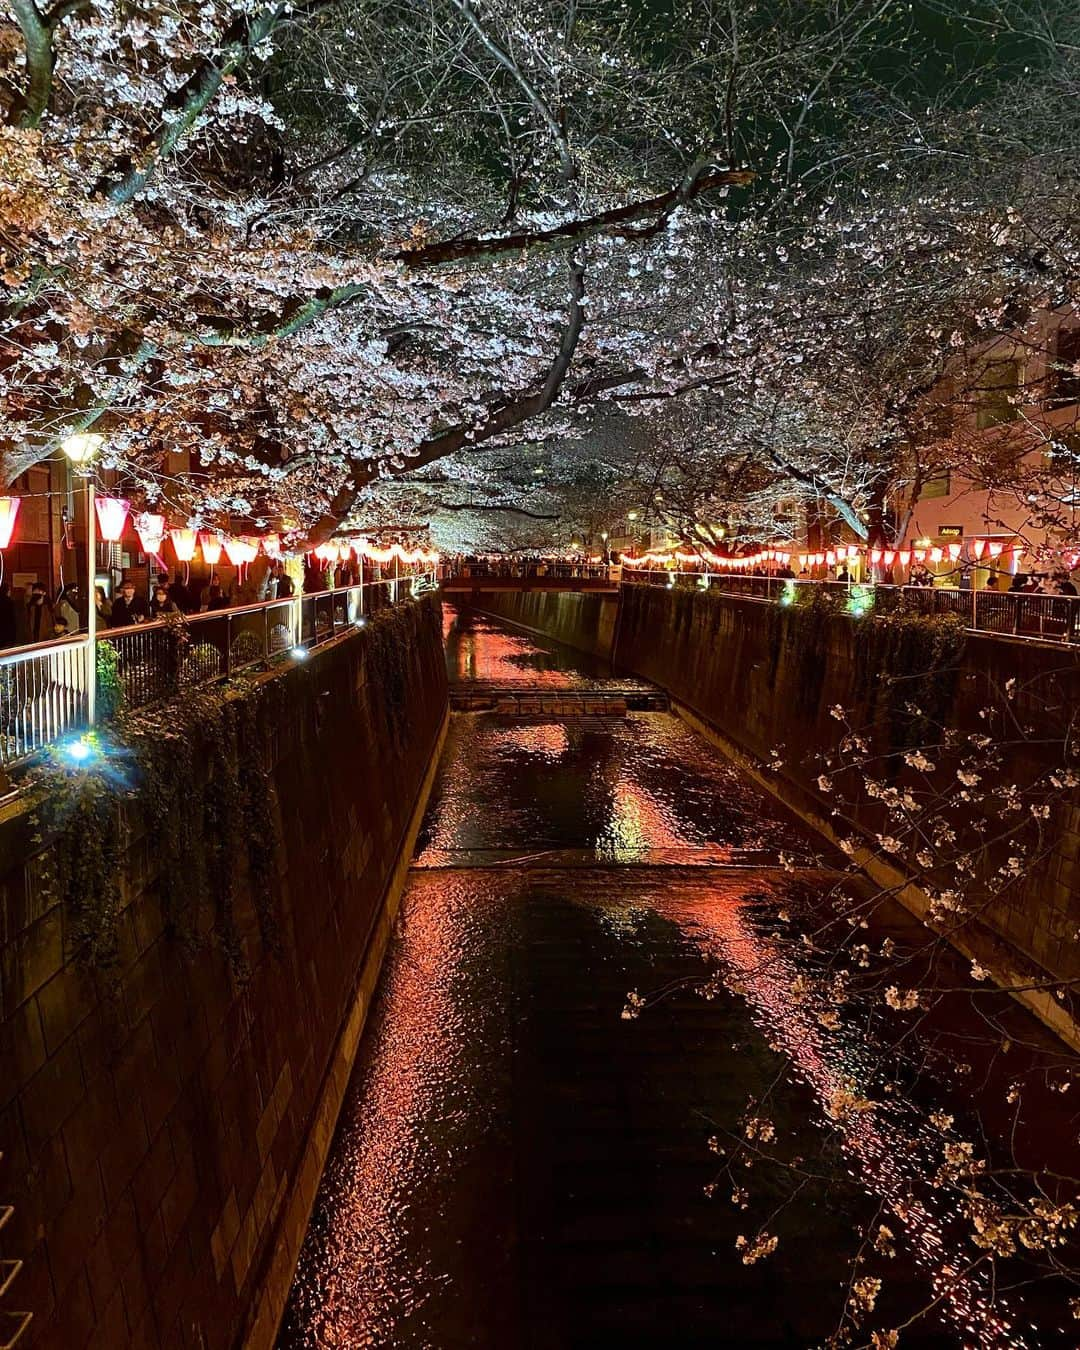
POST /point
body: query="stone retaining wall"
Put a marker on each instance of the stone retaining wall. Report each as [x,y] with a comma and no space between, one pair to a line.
[163,1124]
[721,658]
[581,620]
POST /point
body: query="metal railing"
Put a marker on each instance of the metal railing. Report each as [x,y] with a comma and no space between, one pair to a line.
[43,688]
[1032,615]
[511,570]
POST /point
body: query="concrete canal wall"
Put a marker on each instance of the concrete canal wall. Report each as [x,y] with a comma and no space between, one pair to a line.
[175,1052]
[583,620]
[757,678]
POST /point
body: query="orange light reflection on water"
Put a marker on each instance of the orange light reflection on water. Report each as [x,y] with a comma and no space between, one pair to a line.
[893,1163]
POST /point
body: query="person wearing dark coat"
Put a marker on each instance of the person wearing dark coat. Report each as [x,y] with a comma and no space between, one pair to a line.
[39,618]
[128,608]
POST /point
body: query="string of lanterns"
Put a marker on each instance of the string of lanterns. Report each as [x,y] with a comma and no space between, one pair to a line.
[241,550]
[905,556]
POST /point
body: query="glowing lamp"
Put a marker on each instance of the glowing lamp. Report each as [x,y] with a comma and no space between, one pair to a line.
[211,548]
[184,543]
[241,551]
[80,750]
[112,514]
[9,510]
[936,555]
[978,547]
[889,557]
[151,531]
[819,559]
[994,549]
[82,446]
[830,557]
[876,556]
[272,546]
[918,554]
[904,557]
[954,551]
[1017,551]
[802,560]
[328,553]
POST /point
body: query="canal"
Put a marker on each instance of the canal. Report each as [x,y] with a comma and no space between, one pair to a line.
[528,1160]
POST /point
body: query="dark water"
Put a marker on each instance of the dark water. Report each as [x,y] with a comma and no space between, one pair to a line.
[518,1166]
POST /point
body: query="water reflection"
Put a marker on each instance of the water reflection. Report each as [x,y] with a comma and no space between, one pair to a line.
[481,649]
[516,1166]
[640,788]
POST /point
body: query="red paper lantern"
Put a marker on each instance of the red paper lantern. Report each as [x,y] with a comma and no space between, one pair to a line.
[211,548]
[241,551]
[918,554]
[9,511]
[889,557]
[954,551]
[875,556]
[151,531]
[978,547]
[936,555]
[904,558]
[184,543]
[112,514]
[994,549]
[272,545]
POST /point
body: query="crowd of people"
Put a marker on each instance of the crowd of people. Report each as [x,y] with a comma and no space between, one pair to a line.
[46,616]
[43,616]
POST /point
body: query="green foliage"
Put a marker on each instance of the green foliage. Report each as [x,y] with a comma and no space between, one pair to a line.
[110,692]
[905,671]
[904,661]
[799,634]
[184,794]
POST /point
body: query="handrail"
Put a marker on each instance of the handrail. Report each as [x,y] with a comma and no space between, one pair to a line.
[1031,616]
[43,686]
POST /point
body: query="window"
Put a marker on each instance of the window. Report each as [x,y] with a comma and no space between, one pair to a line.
[1065,373]
[997,392]
[935,487]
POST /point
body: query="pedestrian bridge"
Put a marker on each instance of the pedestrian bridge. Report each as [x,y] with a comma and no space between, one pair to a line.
[469,578]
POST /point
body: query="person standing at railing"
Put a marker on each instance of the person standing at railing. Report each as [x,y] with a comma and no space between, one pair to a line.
[285,587]
[38,614]
[67,609]
[215,597]
[162,604]
[128,608]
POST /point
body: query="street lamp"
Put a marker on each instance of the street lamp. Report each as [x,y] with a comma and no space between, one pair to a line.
[631,517]
[80,448]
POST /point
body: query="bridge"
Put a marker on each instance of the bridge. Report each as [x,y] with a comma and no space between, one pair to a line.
[471,578]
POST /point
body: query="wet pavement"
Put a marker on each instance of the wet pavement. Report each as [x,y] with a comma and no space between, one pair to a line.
[519,1167]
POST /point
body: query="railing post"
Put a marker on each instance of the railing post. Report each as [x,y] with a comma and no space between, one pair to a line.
[91,605]
[228,645]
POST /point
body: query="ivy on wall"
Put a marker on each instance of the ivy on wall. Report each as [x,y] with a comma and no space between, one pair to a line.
[904,661]
[905,669]
[183,793]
